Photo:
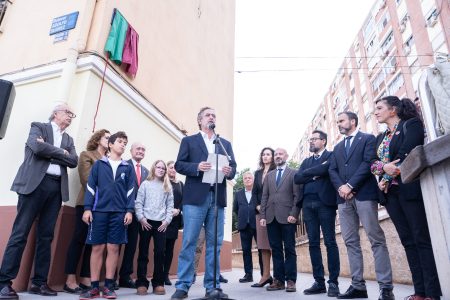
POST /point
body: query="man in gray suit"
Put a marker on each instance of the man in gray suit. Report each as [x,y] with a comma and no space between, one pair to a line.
[279,211]
[41,184]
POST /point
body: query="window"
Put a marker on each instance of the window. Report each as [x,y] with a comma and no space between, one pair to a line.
[432,18]
[371,47]
[378,82]
[3,7]
[389,65]
[395,84]
[383,22]
[387,43]
[368,29]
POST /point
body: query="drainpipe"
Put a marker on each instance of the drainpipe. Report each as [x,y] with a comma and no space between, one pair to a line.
[70,66]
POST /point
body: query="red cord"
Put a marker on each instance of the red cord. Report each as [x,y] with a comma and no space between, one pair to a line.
[100,94]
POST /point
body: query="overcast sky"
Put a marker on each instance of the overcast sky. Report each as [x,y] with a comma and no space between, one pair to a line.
[273,108]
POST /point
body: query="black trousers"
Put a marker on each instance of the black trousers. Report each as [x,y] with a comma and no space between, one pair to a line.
[410,220]
[159,243]
[42,204]
[77,245]
[126,269]
[168,255]
[247,235]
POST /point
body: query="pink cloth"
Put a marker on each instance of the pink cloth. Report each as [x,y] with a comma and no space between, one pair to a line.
[130,51]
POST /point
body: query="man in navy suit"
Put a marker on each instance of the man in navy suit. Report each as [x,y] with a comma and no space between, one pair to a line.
[357,202]
[137,155]
[244,207]
[319,211]
[198,203]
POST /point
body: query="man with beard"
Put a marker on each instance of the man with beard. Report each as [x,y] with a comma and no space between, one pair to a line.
[279,212]
[319,212]
[357,202]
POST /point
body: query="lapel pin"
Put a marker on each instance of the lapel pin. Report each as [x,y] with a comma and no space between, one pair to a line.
[397,132]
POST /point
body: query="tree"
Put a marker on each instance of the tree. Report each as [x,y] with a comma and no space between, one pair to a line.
[239,185]
[293,164]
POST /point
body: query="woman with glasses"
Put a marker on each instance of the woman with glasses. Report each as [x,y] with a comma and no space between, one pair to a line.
[266,164]
[96,148]
[154,211]
[403,201]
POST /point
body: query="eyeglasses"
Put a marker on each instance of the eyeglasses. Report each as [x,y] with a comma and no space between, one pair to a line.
[68,112]
[311,140]
[161,168]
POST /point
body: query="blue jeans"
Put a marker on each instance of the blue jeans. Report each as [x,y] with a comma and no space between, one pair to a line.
[194,217]
[319,216]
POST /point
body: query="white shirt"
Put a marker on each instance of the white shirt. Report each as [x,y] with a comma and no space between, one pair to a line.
[354,133]
[54,169]
[114,165]
[209,142]
[248,195]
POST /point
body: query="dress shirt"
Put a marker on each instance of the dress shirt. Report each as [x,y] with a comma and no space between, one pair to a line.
[354,133]
[54,169]
[318,155]
[248,195]
[209,142]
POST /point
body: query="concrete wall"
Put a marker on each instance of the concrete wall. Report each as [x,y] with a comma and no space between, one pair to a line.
[400,269]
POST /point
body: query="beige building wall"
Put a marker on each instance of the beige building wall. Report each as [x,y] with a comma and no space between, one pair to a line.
[186,49]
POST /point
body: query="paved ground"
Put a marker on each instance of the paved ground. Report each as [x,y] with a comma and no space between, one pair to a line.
[242,291]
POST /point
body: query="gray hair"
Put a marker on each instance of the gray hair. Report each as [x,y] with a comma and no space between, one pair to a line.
[60,106]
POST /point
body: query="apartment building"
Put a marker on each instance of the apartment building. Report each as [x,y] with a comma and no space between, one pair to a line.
[396,42]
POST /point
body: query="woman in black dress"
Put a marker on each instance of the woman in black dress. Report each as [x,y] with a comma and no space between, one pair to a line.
[177,220]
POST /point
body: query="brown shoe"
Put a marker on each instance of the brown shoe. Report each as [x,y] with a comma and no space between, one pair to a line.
[276,285]
[142,291]
[290,286]
[159,290]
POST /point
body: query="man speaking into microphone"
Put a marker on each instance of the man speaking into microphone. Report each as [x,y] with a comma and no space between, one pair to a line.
[198,203]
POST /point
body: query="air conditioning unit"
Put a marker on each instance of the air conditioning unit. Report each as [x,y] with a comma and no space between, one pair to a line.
[407,50]
[432,21]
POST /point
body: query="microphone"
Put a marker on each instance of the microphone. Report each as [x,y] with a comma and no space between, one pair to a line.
[211,126]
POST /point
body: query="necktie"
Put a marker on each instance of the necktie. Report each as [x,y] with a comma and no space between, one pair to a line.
[138,173]
[278,176]
[347,144]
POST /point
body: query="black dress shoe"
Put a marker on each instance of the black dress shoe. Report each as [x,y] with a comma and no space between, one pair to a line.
[127,283]
[353,293]
[246,278]
[222,279]
[76,290]
[386,294]
[333,290]
[43,290]
[262,284]
[167,281]
[316,288]
[216,294]
[7,292]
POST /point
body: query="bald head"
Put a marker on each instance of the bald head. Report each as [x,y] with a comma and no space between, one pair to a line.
[281,156]
[137,151]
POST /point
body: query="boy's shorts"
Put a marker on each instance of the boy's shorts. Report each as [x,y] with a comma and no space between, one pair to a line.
[107,228]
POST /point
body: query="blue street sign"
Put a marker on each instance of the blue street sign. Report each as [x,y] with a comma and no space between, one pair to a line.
[61,36]
[64,23]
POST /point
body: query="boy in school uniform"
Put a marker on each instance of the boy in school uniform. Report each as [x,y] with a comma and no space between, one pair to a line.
[108,208]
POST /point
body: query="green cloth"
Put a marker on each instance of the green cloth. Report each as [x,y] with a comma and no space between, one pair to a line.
[116,39]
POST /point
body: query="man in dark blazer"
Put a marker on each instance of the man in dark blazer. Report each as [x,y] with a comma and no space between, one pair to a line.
[279,212]
[319,212]
[137,155]
[41,184]
[357,202]
[198,203]
[244,207]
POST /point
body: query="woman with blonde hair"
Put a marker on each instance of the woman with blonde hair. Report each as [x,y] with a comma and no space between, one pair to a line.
[154,211]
